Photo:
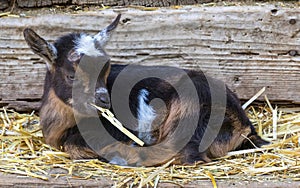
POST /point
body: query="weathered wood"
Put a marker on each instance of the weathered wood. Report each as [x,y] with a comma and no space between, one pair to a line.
[152,3]
[64,182]
[247,47]
[4,4]
[148,3]
[25,182]
[40,3]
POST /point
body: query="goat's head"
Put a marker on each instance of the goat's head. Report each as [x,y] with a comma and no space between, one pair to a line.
[63,59]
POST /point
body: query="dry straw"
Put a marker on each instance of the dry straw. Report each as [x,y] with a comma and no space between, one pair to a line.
[24,153]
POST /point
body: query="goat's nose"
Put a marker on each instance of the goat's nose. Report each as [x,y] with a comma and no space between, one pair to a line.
[103,98]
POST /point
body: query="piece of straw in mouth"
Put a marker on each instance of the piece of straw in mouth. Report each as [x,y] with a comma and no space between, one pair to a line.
[110,117]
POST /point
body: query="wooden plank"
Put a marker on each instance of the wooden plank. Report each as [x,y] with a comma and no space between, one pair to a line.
[247,47]
[25,182]
[148,3]
[4,4]
[40,3]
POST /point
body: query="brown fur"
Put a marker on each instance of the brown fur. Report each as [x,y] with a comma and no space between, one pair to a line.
[178,110]
[85,79]
[56,118]
[220,149]
[77,151]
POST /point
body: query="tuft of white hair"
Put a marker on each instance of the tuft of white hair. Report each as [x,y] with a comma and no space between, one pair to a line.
[146,114]
[85,44]
[102,37]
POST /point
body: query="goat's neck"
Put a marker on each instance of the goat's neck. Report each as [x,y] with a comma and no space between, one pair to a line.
[56,118]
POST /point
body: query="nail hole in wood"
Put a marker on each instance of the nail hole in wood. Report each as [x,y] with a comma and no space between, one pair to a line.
[293,53]
[126,20]
[292,21]
[274,11]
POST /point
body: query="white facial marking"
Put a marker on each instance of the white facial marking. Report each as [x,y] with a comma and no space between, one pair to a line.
[146,115]
[101,90]
[85,45]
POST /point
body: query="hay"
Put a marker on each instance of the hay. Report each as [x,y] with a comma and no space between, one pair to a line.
[23,152]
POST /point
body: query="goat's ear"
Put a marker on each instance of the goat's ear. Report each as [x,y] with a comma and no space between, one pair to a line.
[103,36]
[41,47]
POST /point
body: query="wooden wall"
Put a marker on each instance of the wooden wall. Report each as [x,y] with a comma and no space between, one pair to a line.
[247,47]
[149,3]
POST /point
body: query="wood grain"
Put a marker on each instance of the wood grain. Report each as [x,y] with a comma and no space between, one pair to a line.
[66,182]
[246,47]
[4,4]
[148,3]
[40,3]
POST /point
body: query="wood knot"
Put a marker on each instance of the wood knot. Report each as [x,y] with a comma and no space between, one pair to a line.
[126,20]
[293,53]
[236,78]
[292,21]
[274,11]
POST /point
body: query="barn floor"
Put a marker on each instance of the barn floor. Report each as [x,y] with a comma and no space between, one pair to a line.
[35,164]
[28,182]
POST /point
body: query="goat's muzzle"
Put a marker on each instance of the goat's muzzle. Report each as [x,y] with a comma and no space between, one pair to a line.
[102,100]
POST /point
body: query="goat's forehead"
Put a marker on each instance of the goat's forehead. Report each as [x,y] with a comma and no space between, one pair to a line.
[85,44]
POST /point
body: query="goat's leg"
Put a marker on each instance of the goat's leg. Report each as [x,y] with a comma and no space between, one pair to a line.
[253,141]
[123,154]
[236,132]
[190,154]
[238,119]
[77,148]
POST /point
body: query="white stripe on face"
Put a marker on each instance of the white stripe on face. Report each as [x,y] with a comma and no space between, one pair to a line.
[85,45]
[101,90]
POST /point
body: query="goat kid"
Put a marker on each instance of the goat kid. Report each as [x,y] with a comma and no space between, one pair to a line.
[155,124]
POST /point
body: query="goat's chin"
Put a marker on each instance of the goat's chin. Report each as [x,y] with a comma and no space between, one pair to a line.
[85,111]
[81,115]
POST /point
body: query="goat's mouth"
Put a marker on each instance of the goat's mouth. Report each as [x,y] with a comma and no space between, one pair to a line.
[102,100]
[94,106]
[87,108]
[103,105]
[99,109]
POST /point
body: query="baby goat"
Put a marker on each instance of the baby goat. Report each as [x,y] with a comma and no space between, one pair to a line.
[156,125]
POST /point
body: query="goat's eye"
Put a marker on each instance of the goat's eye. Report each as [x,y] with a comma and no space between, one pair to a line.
[73,56]
[71,77]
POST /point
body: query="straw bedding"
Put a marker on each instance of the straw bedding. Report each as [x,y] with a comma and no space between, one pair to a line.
[23,152]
